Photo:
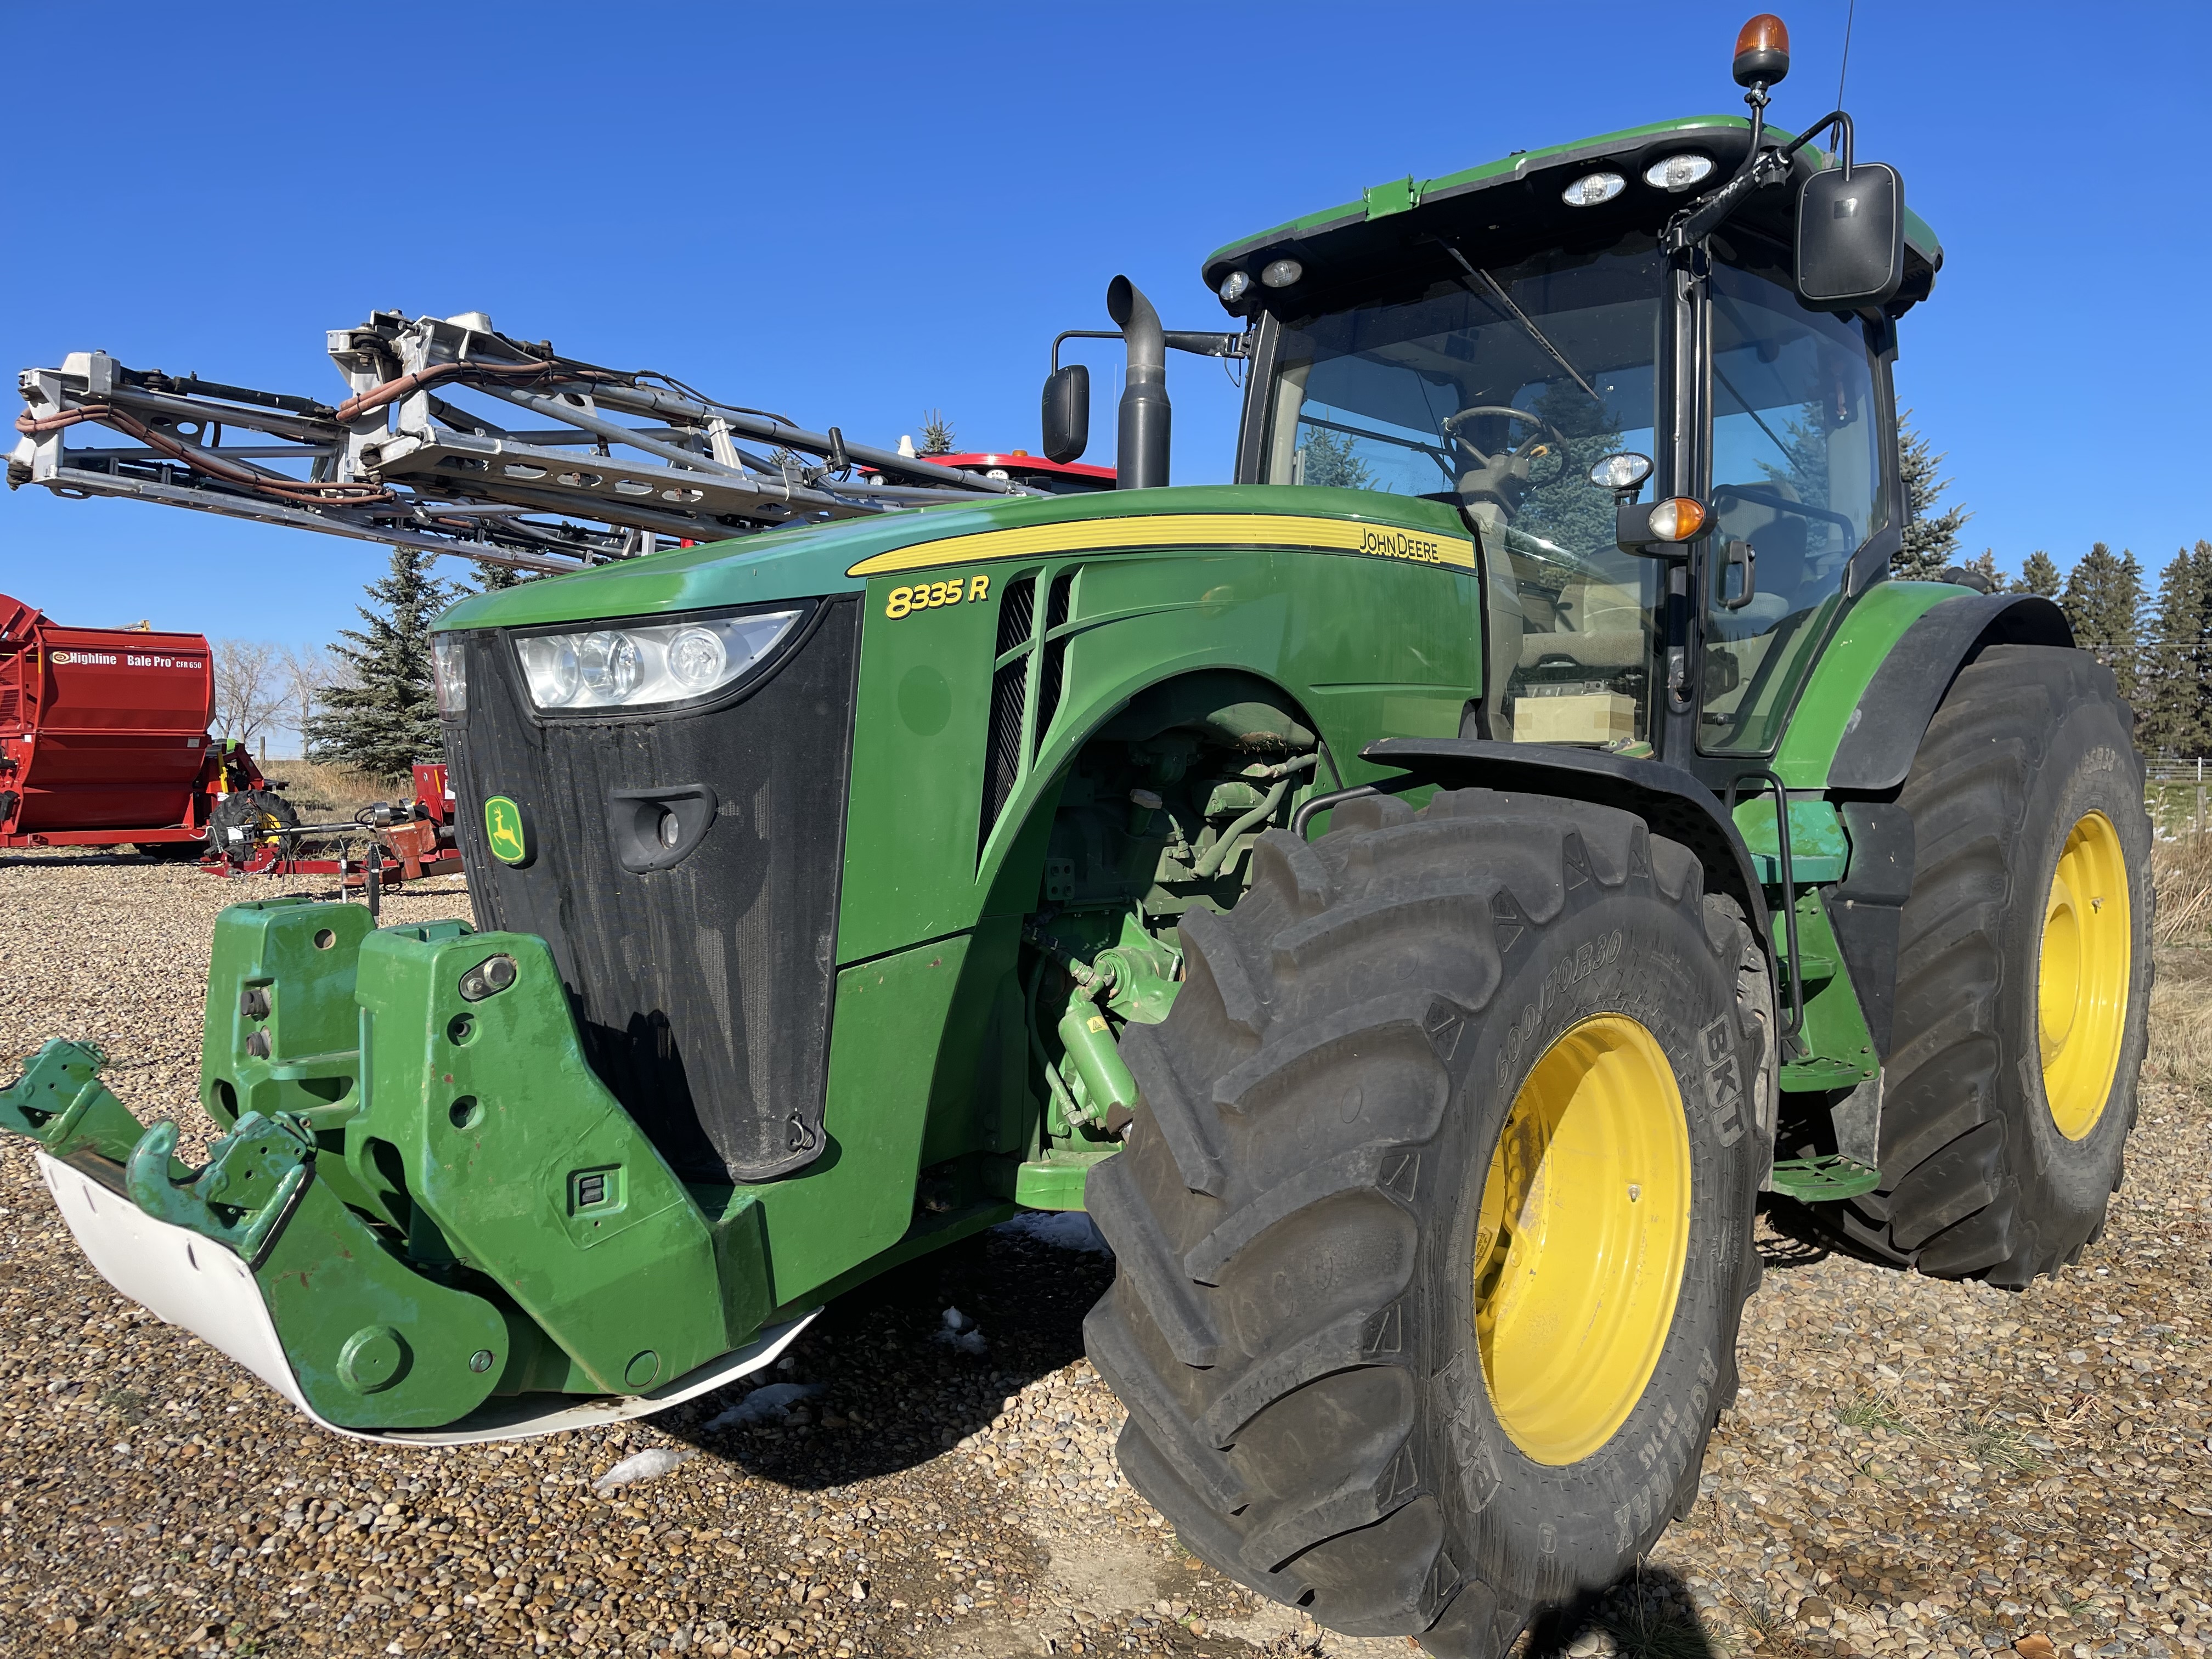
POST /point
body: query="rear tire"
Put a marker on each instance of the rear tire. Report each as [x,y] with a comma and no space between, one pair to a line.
[1299,1211]
[2001,1147]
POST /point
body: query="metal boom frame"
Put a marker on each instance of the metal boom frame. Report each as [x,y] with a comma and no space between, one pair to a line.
[396,463]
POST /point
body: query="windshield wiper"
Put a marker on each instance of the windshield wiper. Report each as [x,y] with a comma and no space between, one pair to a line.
[1442,457]
[1520,317]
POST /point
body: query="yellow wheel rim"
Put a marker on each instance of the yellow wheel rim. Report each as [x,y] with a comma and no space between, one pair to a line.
[1579,1249]
[2081,981]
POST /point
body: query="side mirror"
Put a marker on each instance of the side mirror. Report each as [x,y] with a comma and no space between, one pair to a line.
[1850,237]
[1068,412]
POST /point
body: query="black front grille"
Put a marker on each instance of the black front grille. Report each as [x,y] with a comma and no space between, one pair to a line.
[703,989]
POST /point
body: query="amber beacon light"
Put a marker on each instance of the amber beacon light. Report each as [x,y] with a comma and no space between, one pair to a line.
[1660,528]
[1762,52]
[1678,519]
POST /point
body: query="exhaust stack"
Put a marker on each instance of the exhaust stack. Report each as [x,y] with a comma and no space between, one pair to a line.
[1142,461]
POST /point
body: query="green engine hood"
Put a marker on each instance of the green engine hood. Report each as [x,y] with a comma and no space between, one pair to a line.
[808,560]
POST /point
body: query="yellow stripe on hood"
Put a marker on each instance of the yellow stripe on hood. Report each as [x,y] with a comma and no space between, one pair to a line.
[1178,530]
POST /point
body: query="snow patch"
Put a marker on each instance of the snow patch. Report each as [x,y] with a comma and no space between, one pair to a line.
[960,1333]
[771,1403]
[644,1466]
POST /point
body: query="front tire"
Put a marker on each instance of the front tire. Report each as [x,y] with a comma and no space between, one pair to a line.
[1443,1087]
[2024,970]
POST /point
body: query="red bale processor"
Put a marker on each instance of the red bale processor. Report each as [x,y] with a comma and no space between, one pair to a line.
[104,740]
[104,743]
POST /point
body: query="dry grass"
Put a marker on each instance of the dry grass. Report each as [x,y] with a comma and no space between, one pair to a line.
[2181,1000]
[2183,869]
[1984,1440]
[324,792]
[2181,1020]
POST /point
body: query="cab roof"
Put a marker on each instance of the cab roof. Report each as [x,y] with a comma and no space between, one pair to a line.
[1505,210]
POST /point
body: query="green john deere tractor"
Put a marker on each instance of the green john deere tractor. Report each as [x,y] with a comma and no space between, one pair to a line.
[1417,898]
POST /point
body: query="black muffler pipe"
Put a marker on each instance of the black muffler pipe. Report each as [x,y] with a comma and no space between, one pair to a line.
[1142,461]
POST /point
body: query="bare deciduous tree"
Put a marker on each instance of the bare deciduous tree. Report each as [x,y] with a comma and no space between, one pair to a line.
[305,671]
[249,689]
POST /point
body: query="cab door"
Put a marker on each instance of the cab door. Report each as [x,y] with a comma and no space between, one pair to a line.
[1802,485]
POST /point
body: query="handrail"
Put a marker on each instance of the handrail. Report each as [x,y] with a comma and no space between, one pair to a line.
[1767,776]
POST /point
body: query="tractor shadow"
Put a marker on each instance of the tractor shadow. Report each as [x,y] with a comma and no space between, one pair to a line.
[48,857]
[1648,1615]
[893,1388]
[1795,1234]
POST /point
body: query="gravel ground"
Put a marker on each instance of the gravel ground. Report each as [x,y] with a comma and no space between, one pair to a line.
[1913,1468]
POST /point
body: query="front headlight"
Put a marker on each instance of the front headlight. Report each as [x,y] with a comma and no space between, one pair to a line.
[636,667]
[449,666]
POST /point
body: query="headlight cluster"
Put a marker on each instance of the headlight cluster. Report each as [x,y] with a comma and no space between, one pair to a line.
[635,667]
[1673,174]
[449,664]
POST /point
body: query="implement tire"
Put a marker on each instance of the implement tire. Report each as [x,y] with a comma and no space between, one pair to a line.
[2023,975]
[255,815]
[1424,1056]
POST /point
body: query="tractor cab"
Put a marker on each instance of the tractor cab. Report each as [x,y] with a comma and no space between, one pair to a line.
[1555,344]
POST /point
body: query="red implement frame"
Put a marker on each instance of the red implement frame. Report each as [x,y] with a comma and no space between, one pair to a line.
[414,840]
[103,735]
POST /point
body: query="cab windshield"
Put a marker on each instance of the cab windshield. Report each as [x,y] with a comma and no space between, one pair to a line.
[1498,389]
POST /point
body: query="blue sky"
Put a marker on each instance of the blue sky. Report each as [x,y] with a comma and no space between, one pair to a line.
[856,214]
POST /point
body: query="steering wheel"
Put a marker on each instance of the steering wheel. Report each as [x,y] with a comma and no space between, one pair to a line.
[1529,448]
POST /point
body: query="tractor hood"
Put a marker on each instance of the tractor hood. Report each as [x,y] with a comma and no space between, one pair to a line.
[807,561]
[1500,213]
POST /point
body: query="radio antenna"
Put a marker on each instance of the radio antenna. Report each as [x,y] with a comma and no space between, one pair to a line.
[1848,18]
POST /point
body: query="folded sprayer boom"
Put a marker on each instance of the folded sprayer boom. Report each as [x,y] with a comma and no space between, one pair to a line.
[615,462]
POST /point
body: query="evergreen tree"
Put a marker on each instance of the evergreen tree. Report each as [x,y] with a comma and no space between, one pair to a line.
[1931,538]
[1561,505]
[2176,696]
[1986,567]
[2200,570]
[936,433]
[1808,452]
[2171,702]
[2103,599]
[2038,575]
[381,714]
[1329,460]
[493,578]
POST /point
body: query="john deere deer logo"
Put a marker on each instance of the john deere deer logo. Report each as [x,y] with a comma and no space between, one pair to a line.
[507,831]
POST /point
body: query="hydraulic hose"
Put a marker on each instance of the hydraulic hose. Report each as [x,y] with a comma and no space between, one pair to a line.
[1063,1102]
[390,392]
[200,460]
[1218,854]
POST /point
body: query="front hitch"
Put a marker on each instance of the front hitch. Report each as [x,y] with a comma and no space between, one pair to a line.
[426,1216]
[253,1177]
[297,1286]
[60,1102]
